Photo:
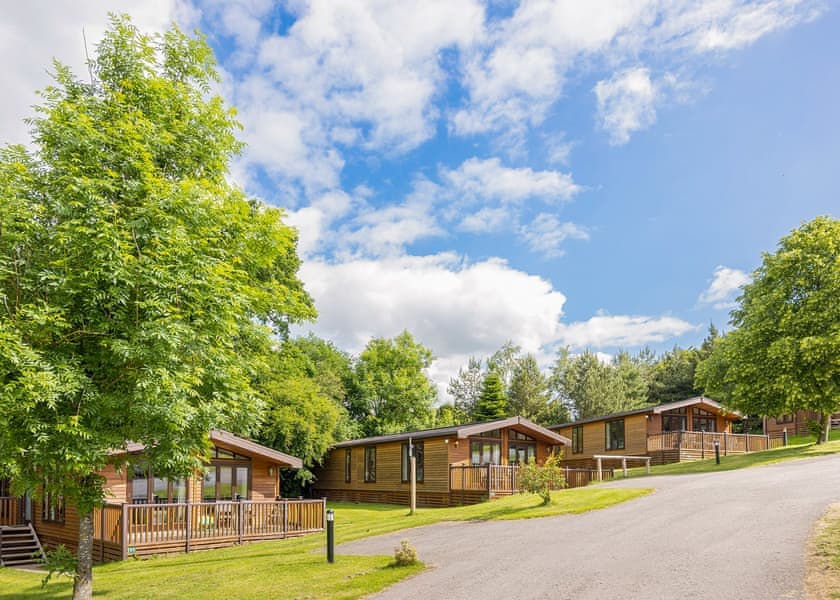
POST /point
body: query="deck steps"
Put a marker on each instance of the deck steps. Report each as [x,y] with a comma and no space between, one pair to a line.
[20,547]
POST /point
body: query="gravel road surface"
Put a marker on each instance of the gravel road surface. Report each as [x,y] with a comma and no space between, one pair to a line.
[736,534]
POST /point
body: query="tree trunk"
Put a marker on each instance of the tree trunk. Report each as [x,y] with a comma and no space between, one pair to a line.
[83,587]
[825,429]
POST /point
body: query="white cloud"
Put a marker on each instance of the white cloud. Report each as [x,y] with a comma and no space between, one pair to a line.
[723,286]
[364,73]
[546,233]
[518,71]
[626,103]
[488,179]
[451,305]
[486,220]
[622,331]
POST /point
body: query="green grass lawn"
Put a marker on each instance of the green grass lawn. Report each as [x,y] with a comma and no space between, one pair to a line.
[297,568]
[804,447]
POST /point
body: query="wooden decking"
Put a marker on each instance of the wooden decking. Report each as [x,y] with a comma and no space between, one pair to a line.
[123,530]
[676,446]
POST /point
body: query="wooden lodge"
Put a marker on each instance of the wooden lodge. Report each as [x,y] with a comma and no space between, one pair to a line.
[235,499]
[461,464]
[672,432]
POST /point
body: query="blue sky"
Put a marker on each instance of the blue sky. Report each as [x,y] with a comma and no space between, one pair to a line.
[600,175]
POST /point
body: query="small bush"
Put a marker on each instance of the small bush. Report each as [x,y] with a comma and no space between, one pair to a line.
[405,554]
[541,480]
[60,561]
[815,428]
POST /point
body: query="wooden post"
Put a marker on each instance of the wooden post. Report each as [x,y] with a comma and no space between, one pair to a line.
[724,443]
[285,517]
[240,516]
[624,466]
[102,533]
[598,465]
[188,530]
[124,531]
[702,444]
[489,487]
[412,463]
[747,442]
[647,464]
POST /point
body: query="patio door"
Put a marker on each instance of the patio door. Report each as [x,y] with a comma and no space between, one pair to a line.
[521,452]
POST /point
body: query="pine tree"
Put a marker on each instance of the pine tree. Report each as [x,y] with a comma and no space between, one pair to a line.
[492,403]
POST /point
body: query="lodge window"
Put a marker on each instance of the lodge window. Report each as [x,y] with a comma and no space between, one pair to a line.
[348,465]
[780,420]
[577,439]
[370,465]
[485,452]
[703,420]
[614,434]
[223,482]
[148,489]
[52,508]
[515,435]
[674,420]
[405,467]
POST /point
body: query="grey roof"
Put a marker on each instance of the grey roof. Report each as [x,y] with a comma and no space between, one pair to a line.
[655,409]
[232,441]
[460,432]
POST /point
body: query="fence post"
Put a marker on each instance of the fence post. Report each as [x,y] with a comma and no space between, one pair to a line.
[702,444]
[725,445]
[489,471]
[598,464]
[188,531]
[102,533]
[747,436]
[124,531]
[624,467]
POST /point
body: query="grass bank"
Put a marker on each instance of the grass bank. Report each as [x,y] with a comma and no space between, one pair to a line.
[296,568]
[822,578]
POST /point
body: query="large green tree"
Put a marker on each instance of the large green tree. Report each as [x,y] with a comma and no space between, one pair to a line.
[529,392]
[594,387]
[465,387]
[139,288]
[303,388]
[783,353]
[391,391]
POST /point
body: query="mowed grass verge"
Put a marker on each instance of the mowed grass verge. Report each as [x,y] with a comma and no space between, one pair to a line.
[297,568]
[800,447]
[822,579]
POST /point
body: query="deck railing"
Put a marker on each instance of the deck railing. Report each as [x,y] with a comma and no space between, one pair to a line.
[11,511]
[141,528]
[704,441]
[495,479]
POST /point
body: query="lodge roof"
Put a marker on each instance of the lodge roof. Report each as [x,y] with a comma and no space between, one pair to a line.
[461,432]
[657,409]
[233,442]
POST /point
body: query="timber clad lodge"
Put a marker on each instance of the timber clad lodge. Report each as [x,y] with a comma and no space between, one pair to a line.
[235,499]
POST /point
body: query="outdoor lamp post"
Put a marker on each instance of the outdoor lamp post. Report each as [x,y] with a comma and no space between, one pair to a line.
[330,535]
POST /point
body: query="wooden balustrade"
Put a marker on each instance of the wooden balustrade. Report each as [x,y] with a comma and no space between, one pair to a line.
[11,510]
[704,441]
[503,479]
[121,530]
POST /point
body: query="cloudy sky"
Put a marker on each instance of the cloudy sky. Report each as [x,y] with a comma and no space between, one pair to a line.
[596,174]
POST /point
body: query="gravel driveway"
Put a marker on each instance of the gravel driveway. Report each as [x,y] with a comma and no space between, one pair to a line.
[736,534]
